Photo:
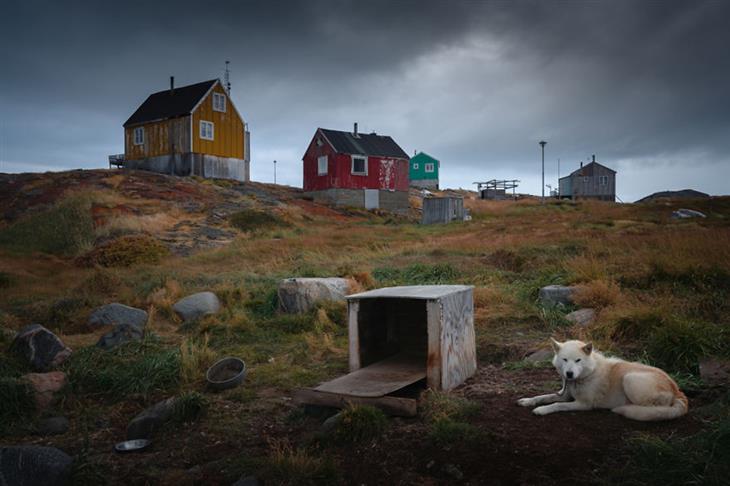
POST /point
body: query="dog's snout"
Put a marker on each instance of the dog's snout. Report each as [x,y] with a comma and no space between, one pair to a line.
[569,374]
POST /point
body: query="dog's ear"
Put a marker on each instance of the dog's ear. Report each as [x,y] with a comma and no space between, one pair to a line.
[588,348]
[556,345]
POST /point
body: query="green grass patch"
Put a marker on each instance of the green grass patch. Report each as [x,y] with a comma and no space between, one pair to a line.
[189,407]
[16,404]
[67,229]
[447,432]
[288,466]
[439,405]
[679,345]
[7,280]
[359,423]
[417,274]
[141,367]
[252,220]
[126,251]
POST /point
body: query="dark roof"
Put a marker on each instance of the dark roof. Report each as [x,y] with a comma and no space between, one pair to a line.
[588,169]
[364,144]
[163,105]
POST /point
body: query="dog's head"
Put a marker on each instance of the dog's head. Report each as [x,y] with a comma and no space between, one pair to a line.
[573,359]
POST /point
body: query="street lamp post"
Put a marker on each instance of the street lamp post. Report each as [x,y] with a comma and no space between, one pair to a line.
[542,144]
[275,172]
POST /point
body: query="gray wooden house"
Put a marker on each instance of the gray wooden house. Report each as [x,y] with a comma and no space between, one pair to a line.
[592,181]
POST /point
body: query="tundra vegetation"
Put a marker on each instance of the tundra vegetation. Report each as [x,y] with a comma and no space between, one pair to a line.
[659,287]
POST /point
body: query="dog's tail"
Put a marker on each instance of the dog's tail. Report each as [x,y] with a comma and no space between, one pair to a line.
[679,407]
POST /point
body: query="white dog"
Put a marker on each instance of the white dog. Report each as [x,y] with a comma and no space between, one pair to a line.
[590,380]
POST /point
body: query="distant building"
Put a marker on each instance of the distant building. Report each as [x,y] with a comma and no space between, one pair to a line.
[442,210]
[356,169]
[593,181]
[424,171]
[190,130]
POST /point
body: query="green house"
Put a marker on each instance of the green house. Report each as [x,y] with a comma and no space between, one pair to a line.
[424,172]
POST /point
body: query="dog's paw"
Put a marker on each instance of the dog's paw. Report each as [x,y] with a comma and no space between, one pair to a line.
[541,411]
[525,402]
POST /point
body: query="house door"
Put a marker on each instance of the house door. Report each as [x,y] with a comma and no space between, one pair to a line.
[372,198]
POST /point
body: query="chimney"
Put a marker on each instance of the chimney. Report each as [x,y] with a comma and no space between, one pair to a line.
[594,157]
[172,85]
[354,131]
[581,164]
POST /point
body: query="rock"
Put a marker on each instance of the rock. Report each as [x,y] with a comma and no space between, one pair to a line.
[53,426]
[453,471]
[34,466]
[329,425]
[581,317]
[43,349]
[247,481]
[196,306]
[299,295]
[715,371]
[539,356]
[553,295]
[687,213]
[117,314]
[122,333]
[143,425]
[45,386]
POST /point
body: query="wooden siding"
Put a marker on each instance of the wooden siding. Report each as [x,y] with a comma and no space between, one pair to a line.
[228,137]
[586,184]
[160,138]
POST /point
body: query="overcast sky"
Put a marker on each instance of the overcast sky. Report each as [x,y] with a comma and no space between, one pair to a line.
[643,85]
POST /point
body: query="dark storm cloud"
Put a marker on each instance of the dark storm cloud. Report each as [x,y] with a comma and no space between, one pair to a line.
[641,84]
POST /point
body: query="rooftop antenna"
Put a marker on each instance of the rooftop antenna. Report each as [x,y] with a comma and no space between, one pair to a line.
[227,79]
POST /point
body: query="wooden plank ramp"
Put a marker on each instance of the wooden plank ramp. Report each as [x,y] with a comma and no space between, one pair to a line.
[371,386]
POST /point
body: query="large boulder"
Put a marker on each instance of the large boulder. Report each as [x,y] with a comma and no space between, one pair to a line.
[553,295]
[43,349]
[117,314]
[581,317]
[195,306]
[143,425]
[53,426]
[34,466]
[299,295]
[45,387]
[122,333]
[687,213]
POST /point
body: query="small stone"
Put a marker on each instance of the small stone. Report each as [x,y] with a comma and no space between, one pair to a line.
[34,466]
[553,295]
[195,306]
[687,213]
[715,371]
[143,425]
[581,317]
[45,387]
[329,425]
[43,349]
[53,426]
[452,471]
[122,333]
[117,314]
[539,356]
[299,295]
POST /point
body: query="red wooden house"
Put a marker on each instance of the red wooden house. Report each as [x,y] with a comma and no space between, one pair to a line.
[356,169]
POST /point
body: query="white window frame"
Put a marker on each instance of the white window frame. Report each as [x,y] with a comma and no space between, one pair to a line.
[415,165]
[322,165]
[603,180]
[352,166]
[203,132]
[219,102]
[139,136]
[429,167]
[585,179]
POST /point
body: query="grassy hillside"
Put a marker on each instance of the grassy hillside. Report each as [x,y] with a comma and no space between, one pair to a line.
[660,288]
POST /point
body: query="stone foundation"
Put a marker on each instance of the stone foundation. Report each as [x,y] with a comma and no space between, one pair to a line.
[394,201]
[203,165]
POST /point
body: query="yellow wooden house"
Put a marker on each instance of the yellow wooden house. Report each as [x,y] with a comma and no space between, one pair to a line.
[190,130]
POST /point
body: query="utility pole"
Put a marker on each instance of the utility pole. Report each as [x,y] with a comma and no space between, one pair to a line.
[542,144]
[274,171]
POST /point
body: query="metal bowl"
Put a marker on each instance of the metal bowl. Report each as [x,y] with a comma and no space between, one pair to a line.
[226,373]
[132,445]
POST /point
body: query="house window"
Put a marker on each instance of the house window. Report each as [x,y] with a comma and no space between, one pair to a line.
[603,180]
[219,102]
[139,136]
[415,165]
[585,180]
[206,130]
[429,167]
[322,165]
[319,142]
[359,165]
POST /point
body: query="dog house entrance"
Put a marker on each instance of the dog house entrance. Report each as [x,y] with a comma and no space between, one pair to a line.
[401,338]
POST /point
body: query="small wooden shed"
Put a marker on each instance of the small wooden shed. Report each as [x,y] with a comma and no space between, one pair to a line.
[400,337]
[442,210]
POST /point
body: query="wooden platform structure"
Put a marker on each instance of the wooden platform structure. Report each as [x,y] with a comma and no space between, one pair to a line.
[399,337]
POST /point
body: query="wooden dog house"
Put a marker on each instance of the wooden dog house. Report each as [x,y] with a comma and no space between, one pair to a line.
[400,337]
